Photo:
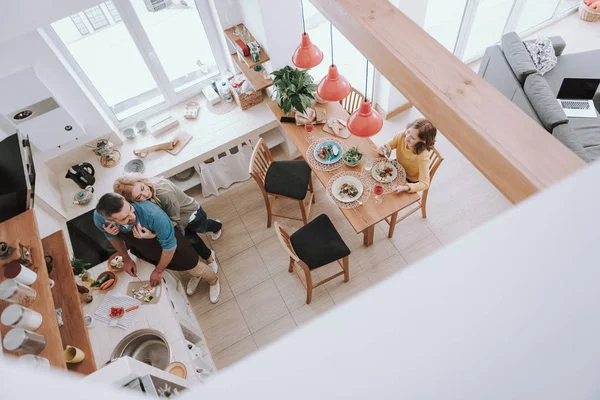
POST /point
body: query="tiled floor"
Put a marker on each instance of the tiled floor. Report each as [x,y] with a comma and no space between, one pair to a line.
[261,301]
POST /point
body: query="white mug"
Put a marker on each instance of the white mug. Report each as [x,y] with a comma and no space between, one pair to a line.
[15,270]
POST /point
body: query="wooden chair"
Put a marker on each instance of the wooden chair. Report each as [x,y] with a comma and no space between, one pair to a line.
[435,160]
[352,102]
[288,179]
[314,245]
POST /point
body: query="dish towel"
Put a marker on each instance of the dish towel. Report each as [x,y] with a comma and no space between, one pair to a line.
[117,300]
[224,171]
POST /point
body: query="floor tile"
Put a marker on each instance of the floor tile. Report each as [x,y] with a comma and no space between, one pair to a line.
[261,305]
[420,249]
[247,198]
[221,209]
[255,222]
[245,271]
[233,241]
[340,290]
[386,268]
[408,231]
[292,290]
[275,257]
[223,326]
[274,331]
[319,305]
[200,300]
[381,249]
[448,233]
[234,353]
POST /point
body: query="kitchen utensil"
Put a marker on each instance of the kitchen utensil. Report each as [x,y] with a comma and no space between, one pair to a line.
[134,166]
[17,271]
[351,180]
[141,126]
[380,167]
[90,322]
[331,159]
[129,133]
[179,142]
[49,260]
[73,355]
[82,174]
[17,293]
[178,369]
[30,360]
[134,286]
[83,197]
[24,341]
[17,316]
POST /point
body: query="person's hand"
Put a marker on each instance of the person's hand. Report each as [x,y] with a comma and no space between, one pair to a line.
[384,150]
[129,266]
[400,189]
[139,232]
[111,229]
[155,277]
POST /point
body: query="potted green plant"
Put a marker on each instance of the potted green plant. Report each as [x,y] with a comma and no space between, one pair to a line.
[79,266]
[294,89]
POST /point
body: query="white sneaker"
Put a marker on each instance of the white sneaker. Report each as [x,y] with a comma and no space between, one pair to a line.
[192,285]
[215,292]
[213,265]
[215,236]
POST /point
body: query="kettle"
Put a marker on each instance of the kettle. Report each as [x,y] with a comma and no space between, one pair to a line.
[82,174]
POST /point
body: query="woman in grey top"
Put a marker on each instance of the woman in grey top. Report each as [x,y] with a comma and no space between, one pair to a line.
[184,211]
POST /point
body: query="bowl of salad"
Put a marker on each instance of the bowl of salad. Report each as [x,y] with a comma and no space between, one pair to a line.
[347,189]
[384,172]
[352,157]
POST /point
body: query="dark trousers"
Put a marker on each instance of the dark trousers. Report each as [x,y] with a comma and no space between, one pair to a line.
[198,244]
[202,224]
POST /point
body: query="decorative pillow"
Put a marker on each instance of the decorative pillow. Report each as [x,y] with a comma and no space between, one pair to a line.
[517,56]
[542,54]
[544,102]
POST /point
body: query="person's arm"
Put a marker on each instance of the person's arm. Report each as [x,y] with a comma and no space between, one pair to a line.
[165,234]
[165,260]
[423,183]
[386,149]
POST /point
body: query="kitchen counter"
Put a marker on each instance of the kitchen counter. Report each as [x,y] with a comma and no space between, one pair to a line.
[212,134]
[170,316]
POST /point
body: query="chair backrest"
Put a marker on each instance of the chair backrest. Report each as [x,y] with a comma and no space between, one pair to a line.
[352,102]
[435,159]
[260,161]
[284,239]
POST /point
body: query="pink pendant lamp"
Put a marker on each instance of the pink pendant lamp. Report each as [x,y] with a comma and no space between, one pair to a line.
[307,55]
[365,121]
[333,87]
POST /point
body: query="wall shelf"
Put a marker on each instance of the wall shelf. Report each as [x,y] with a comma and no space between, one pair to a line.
[264,57]
[256,78]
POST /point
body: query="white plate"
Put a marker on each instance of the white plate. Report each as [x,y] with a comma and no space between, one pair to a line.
[337,184]
[382,165]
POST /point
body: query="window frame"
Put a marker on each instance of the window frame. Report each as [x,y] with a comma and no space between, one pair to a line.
[134,26]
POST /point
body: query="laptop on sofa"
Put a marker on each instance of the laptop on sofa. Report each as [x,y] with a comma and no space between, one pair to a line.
[575,97]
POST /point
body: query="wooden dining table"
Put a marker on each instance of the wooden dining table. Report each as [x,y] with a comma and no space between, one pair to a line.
[365,217]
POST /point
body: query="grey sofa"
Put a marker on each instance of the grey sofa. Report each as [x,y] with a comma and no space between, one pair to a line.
[509,68]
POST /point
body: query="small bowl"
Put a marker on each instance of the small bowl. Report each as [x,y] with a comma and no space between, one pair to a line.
[140,126]
[129,133]
[109,265]
[177,368]
[112,276]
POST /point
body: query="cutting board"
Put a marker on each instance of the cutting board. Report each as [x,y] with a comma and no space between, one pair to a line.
[180,140]
[135,285]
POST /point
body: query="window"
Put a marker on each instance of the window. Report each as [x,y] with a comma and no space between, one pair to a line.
[138,57]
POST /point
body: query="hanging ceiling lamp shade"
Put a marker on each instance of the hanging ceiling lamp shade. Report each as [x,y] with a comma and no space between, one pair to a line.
[307,55]
[333,87]
[365,121]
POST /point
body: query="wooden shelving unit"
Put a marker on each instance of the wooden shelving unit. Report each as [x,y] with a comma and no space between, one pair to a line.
[24,228]
[246,65]
[65,295]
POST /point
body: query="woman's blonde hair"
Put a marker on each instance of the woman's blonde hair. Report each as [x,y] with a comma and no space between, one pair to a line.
[124,186]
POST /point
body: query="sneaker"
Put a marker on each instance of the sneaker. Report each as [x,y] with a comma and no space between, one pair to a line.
[215,236]
[215,292]
[192,285]
[213,265]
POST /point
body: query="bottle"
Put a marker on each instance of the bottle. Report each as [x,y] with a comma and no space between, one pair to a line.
[226,92]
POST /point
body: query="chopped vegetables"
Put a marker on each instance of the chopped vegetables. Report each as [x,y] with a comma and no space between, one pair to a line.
[131,308]
[99,282]
[144,292]
[384,173]
[325,152]
[348,190]
[107,284]
[352,155]
[116,312]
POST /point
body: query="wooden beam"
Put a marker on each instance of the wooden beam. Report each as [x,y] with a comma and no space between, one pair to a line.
[510,149]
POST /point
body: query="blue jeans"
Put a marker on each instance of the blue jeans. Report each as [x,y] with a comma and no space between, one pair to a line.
[202,224]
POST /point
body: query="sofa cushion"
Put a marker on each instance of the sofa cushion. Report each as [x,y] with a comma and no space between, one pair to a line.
[520,100]
[544,102]
[587,132]
[566,135]
[517,56]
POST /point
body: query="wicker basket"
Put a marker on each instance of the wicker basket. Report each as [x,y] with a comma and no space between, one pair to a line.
[587,14]
[245,100]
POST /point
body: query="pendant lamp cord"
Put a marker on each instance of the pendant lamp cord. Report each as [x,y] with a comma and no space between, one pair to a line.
[331,39]
[366,81]
[303,23]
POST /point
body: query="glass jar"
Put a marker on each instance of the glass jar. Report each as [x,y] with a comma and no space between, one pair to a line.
[30,360]
[19,339]
[17,293]
[17,316]
[255,53]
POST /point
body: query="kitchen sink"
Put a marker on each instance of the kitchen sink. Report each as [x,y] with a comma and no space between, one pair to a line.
[146,345]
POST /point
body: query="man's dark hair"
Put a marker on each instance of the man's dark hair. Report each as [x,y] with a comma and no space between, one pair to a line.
[109,204]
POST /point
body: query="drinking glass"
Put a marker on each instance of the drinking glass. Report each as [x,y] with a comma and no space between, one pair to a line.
[368,164]
[309,128]
[378,190]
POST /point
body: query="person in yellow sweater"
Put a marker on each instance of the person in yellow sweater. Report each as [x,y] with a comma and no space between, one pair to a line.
[413,148]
